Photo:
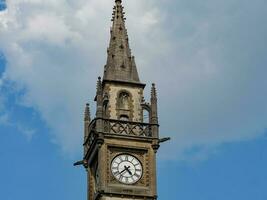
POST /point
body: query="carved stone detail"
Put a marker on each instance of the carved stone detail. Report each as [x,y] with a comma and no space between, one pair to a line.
[124,104]
[127,128]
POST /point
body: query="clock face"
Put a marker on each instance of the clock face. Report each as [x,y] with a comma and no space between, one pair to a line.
[126,169]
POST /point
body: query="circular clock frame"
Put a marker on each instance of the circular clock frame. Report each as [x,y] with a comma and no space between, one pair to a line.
[126,169]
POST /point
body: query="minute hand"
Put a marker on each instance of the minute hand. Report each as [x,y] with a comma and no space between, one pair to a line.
[127,169]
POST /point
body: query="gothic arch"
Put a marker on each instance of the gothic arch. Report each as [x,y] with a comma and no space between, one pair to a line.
[146,110]
[124,104]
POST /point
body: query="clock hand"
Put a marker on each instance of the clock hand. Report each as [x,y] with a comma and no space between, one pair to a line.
[127,169]
[122,171]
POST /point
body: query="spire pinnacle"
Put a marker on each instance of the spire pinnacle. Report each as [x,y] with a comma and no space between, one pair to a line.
[87,113]
[99,98]
[99,86]
[154,106]
[120,64]
[153,92]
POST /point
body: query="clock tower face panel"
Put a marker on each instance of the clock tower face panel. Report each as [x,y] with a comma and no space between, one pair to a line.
[126,168]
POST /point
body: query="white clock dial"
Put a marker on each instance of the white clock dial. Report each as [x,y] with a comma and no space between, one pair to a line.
[126,169]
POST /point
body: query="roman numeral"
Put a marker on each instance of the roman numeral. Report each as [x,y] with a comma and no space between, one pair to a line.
[116,162]
[132,179]
[137,175]
[116,173]
[127,158]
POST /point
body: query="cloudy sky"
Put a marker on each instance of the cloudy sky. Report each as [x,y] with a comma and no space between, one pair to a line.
[208,59]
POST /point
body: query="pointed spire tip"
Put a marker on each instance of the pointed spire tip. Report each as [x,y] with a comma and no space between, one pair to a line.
[119,54]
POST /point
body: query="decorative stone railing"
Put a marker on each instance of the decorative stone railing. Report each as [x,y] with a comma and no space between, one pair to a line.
[127,128]
[117,127]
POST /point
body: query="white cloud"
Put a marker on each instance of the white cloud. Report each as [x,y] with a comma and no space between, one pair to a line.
[210,90]
[55,51]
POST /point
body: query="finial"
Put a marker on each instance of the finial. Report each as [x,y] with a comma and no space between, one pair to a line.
[98,87]
[99,84]
[154,111]
[87,113]
[99,98]
[153,91]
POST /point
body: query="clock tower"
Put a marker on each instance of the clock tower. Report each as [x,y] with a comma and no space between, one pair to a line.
[121,142]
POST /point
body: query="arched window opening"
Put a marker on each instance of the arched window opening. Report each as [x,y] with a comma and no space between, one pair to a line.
[145,116]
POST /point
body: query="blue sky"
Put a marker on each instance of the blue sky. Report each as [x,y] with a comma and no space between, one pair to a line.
[208,59]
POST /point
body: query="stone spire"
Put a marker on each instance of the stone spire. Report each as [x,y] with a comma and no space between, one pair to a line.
[120,64]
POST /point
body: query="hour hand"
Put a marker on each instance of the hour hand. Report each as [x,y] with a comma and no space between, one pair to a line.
[123,171]
[127,169]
